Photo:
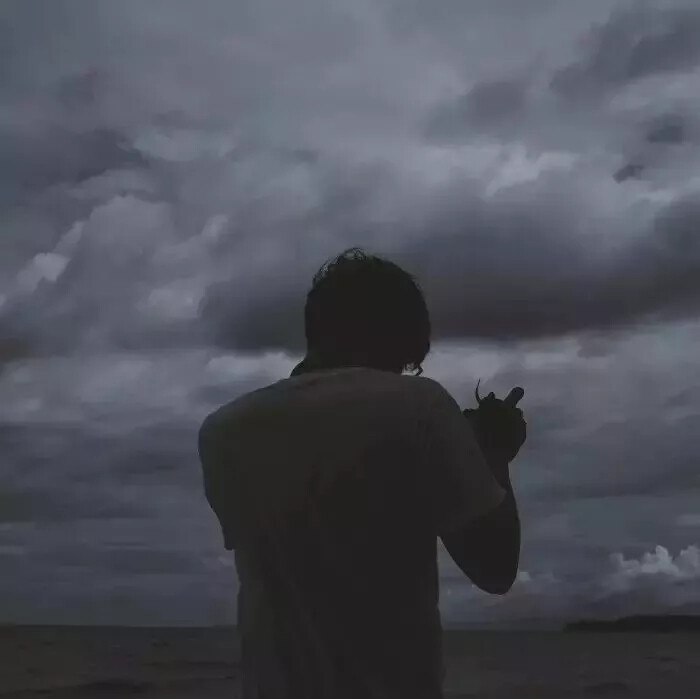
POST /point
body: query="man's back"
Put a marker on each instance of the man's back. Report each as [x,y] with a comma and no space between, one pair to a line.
[324,487]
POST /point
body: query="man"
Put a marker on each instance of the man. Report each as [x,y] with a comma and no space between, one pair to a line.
[333,485]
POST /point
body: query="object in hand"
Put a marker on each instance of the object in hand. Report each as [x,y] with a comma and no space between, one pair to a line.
[516,394]
[498,424]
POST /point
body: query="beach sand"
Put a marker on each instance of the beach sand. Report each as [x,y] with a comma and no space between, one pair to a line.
[183,663]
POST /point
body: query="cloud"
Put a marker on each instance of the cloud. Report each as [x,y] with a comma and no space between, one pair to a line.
[658,565]
[688,520]
[668,128]
[636,42]
[653,583]
[173,176]
[483,107]
[43,505]
[62,157]
[122,560]
[512,235]
[629,171]
[479,292]
[555,286]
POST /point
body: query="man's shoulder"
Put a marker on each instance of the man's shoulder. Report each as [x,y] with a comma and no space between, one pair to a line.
[224,415]
[419,395]
[220,416]
[430,388]
[406,384]
[424,388]
[439,401]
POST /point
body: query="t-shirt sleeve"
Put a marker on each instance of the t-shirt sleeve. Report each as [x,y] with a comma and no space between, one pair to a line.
[216,478]
[460,485]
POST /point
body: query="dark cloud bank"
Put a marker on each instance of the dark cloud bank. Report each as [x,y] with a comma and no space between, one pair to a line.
[170,180]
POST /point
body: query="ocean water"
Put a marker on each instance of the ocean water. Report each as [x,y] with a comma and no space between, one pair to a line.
[201,663]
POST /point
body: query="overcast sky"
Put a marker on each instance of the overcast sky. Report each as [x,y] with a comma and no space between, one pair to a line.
[172,173]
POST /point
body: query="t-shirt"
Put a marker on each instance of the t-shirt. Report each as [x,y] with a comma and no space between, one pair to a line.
[332,487]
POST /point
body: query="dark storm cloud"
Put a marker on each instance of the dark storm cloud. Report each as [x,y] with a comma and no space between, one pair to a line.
[149,452]
[514,267]
[484,106]
[173,177]
[607,432]
[631,457]
[61,157]
[272,320]
[51,504]
[509,265]
[659,274]
[629,171]
[60,472]
[123,561]
[667,128]
[687,397]
[507,272]
[635,43]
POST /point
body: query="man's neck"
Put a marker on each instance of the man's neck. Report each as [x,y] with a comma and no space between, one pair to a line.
[317,362]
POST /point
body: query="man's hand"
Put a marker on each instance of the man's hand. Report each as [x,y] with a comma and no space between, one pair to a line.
[499,425]
[487,551]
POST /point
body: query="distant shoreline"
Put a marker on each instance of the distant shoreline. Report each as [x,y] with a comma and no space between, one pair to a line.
[635,624]
[640,623]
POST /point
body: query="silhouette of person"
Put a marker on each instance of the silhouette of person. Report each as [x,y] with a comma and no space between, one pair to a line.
[333,485]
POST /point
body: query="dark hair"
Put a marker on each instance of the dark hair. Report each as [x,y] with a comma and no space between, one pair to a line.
[365,310]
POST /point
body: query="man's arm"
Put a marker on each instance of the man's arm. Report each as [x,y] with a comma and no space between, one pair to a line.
[487,550]
[473,505]
[214,476]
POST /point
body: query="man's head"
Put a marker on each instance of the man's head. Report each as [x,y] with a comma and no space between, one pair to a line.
[363,310]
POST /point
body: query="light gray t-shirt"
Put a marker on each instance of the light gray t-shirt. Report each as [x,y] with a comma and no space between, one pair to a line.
[332,488]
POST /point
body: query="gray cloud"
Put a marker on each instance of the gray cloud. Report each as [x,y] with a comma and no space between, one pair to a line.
[138,187]
[485,295]
[635,43]
[668,128]
[48,504]
[483,107]
[173,176]
[554,286]
[62,158]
